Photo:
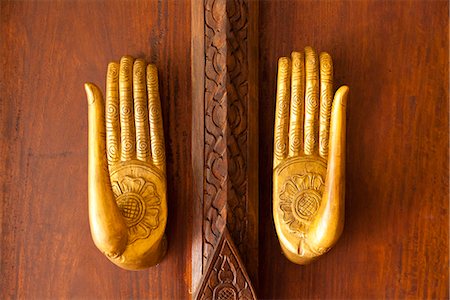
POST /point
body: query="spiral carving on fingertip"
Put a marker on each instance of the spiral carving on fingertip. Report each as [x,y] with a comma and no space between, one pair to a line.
[142,146]
[112,152]
[326,68]
[310,140]
[155,118]
[152,80]
[112,73]
[140,111]
[311,101]
[326,98]
[127,129]
[311,60]
[280,147]
[297,103]
[296,63]
[126,64]
[280,143]
[323,151]
[112,143]
[112,113]
[155,115]
[295,142]
[127,147]
[158,153]
[125,111]
[311,108]
[282,109]
[139,73]
[143,149]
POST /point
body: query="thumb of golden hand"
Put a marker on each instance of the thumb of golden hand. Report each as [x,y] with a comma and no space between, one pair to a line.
[329,223]
[108,227]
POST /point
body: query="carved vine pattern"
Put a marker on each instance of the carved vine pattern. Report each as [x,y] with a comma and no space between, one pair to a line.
[226,97]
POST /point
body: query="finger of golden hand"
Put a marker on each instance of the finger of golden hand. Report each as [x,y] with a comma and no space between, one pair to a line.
[133,113]
[302,122]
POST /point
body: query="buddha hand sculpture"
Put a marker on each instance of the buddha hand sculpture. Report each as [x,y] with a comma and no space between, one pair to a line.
[127,177]
[309,156]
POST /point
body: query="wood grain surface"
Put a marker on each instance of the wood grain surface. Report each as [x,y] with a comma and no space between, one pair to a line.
[224,143]
[392,54]
[48,50]
[394,57]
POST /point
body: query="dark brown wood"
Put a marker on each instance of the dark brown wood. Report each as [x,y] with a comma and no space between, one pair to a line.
[48,50]
[225,278]
[225,138]
[394,57]
[392,54]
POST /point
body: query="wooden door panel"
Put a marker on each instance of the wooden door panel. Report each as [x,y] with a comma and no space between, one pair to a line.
[49,49]
[393,55]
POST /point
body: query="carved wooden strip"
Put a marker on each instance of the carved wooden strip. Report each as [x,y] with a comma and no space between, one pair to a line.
[225,276]
[225,138]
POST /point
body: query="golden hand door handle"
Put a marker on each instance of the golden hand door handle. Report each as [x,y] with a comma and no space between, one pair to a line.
[126,169]
[309,156]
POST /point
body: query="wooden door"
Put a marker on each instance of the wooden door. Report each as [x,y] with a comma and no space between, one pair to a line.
[394,57]
[49,49]
[392,54]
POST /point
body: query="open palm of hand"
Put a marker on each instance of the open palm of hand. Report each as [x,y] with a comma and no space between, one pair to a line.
[127,181]
[309,156]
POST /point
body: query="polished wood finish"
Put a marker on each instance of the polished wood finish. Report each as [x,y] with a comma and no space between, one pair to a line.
[394,57]
[225,276]
[225,146]
[49,49]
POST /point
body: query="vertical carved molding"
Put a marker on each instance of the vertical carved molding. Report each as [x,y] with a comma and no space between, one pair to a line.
[225,139]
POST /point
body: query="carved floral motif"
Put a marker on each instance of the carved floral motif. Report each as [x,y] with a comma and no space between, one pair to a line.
[139,203]
[300,198]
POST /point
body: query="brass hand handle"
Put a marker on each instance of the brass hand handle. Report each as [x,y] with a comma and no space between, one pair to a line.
[127,177]
[309,156]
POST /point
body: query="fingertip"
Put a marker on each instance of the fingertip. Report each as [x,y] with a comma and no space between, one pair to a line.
[283,61]
[324,55]
[139,66]
[139,61]
[126,58]
[295,54]
[341,95]
[151,68]
[89,88]
[113,67]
